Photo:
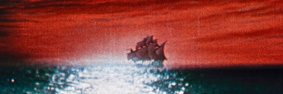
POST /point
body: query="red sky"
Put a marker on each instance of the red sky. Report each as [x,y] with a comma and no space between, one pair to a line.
[200,33]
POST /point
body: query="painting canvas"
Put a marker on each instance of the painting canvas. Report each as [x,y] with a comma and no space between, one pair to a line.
[141,46]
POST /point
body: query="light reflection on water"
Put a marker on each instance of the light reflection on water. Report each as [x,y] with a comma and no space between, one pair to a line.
[111,80]
[97,79]
[131,79]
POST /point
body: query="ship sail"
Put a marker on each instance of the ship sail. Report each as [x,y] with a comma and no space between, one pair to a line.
[160,52]
[146,50]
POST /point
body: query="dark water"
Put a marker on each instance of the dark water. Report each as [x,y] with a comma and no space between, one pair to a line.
[130,79]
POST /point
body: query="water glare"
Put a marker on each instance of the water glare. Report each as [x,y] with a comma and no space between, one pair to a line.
[110,79]
[132,79]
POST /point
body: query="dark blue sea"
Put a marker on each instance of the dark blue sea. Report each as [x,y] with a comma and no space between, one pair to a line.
[132,79]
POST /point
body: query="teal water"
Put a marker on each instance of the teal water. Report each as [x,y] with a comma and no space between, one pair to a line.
[131,79]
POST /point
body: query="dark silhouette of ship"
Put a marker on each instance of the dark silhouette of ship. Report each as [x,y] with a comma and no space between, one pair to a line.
[148,50]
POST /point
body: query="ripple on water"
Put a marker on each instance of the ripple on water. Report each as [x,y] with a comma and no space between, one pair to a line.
[129,79]
[111,79]
[93,80]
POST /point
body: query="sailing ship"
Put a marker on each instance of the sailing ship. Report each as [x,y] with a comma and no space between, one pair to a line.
[148,50]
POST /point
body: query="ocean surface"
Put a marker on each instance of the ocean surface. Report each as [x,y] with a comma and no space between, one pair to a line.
[132,79]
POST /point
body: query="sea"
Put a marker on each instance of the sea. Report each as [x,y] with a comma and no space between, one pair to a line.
[133,79]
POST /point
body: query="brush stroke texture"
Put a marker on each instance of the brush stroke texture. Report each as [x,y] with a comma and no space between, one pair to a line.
[200,33]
